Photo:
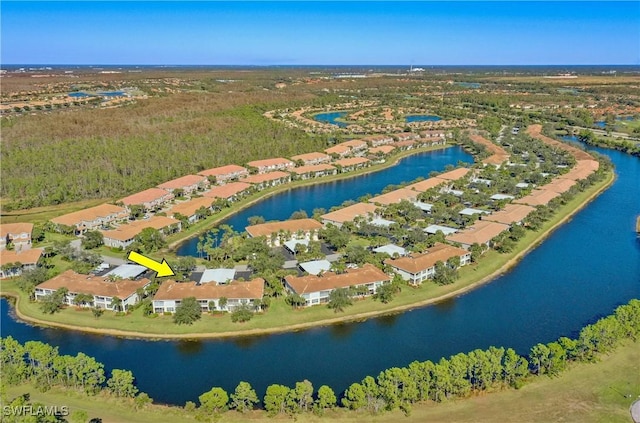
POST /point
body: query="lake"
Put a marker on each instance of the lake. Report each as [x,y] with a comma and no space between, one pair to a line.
[331,118]
[583,271]
[329,194]
[422,118]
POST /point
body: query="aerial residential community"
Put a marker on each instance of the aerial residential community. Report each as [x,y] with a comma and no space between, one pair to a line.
[229,237]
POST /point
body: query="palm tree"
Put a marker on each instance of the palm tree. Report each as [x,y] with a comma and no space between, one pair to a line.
[116,303]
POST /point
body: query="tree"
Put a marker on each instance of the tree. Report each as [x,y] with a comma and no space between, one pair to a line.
[334,236]
[242,314]
[214,401]
[444,274]
[55,301]
[354,397]
[121,384]
[82,299]
[136,211]
[300,214]
[92,239]
[244,397]
[386,292]
[255,220]
[142,400]
[326,399]
[116,304]
[295,300]
[97,312]
[183,267]
[339,298]
[539,356]
[222,303]
[150,240]
[300,398]
[515,368]
[275,399]
[187,312]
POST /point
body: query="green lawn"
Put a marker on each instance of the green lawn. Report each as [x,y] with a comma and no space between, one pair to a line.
[586,393]
[280,316]
[40,215]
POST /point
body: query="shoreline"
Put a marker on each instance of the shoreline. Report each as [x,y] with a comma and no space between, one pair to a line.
[172,247]
[325,322]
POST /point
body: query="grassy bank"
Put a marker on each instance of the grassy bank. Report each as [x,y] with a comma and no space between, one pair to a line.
[587,393]
[40,215]
[280,317]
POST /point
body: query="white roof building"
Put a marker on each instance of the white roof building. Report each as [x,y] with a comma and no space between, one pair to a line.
[127,271]
[291,244]
[378,221]
[315,267]
[432,229]
[502,197]
[426,207]
[391,249]
[219,276]
[470,212]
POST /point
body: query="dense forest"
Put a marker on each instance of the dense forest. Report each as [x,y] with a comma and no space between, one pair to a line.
[120,151]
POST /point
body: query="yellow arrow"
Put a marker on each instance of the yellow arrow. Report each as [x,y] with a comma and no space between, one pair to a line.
[163,268]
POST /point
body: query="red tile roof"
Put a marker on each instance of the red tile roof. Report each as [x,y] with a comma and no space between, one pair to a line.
[349,213]
[30,256]
[352,161]
[278,161]
[171,290]
[183,182]
[315,156]
[328,281]
[312,168]
[481,232]
[130,230]
[292,225]
[223,170]
[228,190]
[146,196]
[511,213]
[454,174]
[94,285]
[395,196]
[89,215]
[10,229]
[189,208]
[419,262]
[265,177]
[425,185]
[538,197]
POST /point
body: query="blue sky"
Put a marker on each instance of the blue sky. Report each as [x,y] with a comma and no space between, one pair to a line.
[323,33]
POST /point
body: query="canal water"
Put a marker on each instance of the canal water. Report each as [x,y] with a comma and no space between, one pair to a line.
[582,272]
[422,118]
[331,117]
[327,195]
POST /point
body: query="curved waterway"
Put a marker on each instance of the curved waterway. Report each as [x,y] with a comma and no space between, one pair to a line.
[329,194]
[585,269]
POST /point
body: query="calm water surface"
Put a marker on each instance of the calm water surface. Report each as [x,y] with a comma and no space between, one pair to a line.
[331,118]
[581,272]
[327,195]
[422,118]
